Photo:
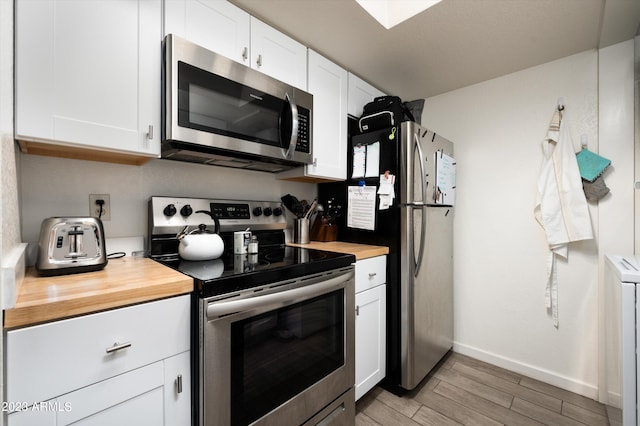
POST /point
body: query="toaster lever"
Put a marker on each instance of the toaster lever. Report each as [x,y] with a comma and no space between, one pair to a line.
[75,242]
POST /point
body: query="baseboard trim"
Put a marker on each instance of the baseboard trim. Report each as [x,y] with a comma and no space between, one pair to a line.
[546,376]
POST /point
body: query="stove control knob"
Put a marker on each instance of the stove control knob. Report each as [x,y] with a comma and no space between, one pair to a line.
[267,211]
[257,211]
[170,210]
[186,210]
[277,211]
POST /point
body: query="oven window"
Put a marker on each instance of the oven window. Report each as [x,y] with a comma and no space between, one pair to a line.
[276,355]
[214,104]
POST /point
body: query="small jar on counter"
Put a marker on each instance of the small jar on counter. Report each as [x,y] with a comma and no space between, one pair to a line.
[253,245]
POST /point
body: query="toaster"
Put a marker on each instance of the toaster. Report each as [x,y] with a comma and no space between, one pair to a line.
[70,245]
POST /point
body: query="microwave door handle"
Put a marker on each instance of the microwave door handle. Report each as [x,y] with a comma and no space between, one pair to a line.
[293,138]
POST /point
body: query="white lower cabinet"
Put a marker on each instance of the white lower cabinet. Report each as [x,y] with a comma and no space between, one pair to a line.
[124,366]
[371,320]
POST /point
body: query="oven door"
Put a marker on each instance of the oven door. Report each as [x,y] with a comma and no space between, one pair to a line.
[214,102]
[279,355]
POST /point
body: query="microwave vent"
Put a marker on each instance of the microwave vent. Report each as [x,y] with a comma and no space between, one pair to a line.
[177,153]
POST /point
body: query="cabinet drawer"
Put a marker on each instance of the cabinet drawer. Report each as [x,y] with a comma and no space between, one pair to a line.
[371,272]
[51,359]
[133,398]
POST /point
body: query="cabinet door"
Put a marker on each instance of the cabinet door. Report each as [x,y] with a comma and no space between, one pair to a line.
[370,338]
[177,390]
[88,73]
[278,55]
[328,85]
[213,24]
[360,93]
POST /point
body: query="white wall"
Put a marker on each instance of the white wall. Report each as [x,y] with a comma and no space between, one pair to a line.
[61,187]
[500,250]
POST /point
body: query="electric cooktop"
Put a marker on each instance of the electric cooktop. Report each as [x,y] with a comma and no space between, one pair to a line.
[272,264]
[267,220]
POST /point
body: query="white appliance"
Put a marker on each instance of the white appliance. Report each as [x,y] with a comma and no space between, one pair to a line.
[619,340]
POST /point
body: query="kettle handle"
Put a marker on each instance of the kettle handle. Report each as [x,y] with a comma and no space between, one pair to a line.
[215,220]
[182,233]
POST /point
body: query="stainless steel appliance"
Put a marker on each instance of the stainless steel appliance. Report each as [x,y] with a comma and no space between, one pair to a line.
[273,332]
[219,112]
[418,229]
[70,245]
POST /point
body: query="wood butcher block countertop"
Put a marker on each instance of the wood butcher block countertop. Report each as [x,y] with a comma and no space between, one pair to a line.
[122,282]
[360,251]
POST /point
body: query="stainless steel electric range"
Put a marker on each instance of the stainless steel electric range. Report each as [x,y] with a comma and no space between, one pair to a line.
[273,332]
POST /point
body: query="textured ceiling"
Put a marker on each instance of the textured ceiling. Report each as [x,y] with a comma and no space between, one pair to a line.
[453,44]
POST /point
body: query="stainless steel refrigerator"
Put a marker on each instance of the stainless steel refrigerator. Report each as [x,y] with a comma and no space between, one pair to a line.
[417,226]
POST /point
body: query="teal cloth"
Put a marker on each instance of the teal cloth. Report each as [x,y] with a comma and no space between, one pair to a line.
[591,165]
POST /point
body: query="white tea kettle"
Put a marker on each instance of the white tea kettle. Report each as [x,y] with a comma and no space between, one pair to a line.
[201,244]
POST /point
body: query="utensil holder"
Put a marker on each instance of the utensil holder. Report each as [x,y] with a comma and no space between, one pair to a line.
[301,231]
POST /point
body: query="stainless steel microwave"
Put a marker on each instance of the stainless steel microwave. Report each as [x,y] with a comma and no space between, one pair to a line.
[217,111]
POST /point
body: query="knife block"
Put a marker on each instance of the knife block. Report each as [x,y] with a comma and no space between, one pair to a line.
[323,231]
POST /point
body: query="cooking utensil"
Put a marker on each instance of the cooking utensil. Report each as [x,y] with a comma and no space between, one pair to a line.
[295,206]
[290,202]
[311,209]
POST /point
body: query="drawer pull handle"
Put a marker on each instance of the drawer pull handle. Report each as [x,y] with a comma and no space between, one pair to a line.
[372,274]
[179,383]
[117,347]
[357,310]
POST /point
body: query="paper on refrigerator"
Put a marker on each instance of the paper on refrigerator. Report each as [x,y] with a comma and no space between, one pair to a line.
[359,161]
[386,192]
[361,207]
[366,160]
[445,187]
[373,160]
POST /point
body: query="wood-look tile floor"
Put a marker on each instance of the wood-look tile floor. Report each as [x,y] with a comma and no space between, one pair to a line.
[462,390]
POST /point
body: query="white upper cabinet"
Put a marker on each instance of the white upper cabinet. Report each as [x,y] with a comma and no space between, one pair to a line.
[88,75]
[213,24]
[230,31]
[278,55]
[328,85]
[360,94]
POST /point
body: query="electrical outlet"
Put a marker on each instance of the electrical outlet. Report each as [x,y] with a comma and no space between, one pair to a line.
[94,206]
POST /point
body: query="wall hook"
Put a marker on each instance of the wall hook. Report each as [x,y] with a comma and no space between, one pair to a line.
[560,104]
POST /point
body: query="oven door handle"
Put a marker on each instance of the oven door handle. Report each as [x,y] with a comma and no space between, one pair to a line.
[281,298]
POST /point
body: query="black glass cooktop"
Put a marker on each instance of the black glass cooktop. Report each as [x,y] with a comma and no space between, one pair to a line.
[272,264]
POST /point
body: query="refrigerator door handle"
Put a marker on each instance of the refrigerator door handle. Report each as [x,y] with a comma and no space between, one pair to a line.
[423,183]
[423,225]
